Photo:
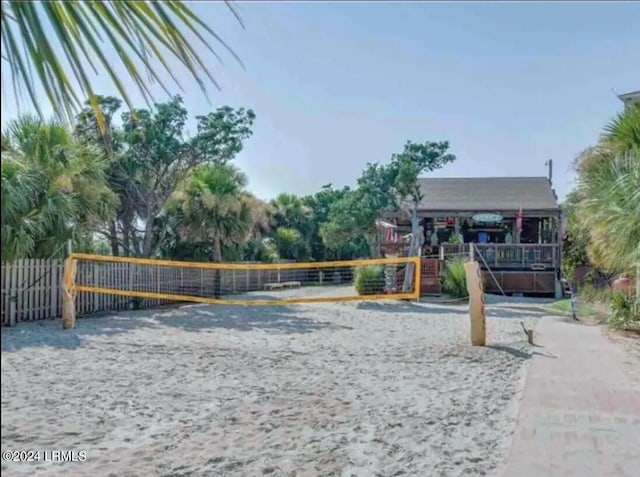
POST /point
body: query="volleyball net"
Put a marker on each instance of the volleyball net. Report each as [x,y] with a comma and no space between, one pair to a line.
[245,283]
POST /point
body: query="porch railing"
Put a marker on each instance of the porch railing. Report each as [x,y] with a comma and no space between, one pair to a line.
[500,255]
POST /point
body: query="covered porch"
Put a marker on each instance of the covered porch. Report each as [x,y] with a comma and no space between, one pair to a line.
[512,225]
[500,256]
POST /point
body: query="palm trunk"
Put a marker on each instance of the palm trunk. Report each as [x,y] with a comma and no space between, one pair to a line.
[217,276]
[113,238]
[148,242]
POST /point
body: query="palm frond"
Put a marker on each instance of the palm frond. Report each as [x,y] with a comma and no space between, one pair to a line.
[35,33]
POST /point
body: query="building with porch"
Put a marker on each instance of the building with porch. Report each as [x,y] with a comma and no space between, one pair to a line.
[630,99]
[511,225]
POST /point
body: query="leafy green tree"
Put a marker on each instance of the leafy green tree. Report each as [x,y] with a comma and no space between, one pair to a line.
[140,37]
[221,134]
[343,233]
[150,157]
[383,189]
[109,139]
[320,205]
[54,189]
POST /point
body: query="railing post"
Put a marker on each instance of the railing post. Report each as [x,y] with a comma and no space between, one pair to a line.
[523,255]
[495,256]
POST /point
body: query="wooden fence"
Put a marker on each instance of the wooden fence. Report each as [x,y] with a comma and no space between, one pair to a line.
[31,288]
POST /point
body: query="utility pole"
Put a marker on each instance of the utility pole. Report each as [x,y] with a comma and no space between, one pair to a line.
[549,164]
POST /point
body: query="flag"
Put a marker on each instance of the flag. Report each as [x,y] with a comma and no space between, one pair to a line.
[519,221]
[390,233]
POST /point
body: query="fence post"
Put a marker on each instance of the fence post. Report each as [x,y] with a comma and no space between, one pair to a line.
[233,279]
[475,288]
[13,296]
[68,295]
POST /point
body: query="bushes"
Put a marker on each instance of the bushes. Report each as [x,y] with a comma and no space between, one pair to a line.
[624,311]
[592,294]
[369,280]
[454,279]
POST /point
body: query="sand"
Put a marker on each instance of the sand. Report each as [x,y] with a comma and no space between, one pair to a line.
[370,389]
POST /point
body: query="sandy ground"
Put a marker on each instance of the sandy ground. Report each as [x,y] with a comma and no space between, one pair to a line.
[370,389]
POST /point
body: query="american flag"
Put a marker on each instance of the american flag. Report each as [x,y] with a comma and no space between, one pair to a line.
[390,231]
[519,221]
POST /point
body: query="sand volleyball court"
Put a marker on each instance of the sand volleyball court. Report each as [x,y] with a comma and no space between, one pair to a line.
[370,389]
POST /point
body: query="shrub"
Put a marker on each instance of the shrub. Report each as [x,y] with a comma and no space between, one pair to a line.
[625,311]
[369,280]
[592,294]
[454,279]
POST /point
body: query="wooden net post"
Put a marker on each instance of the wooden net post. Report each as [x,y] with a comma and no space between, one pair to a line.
[476,303]
[68,294]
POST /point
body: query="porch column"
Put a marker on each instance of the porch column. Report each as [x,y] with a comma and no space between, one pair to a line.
[540,228]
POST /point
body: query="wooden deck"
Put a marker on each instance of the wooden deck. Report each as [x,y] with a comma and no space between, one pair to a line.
[537,257]
[517,268]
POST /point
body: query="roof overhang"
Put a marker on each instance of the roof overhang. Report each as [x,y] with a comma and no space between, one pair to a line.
[632,97]
[511,213]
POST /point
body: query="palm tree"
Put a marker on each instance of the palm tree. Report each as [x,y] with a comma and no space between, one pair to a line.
[609,194]
[55,46]
[214,206]
[290,211]
[53,188]
[291,244]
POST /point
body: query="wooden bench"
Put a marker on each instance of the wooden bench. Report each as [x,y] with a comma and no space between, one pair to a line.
[291,284]
[273,286]
[279,286]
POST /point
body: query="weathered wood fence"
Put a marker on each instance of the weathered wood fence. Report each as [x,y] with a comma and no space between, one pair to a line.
[31,288]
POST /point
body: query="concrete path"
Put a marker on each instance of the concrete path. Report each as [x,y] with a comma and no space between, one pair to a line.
[580,412]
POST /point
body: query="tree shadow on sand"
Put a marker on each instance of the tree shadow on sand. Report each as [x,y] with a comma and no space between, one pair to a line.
[50,332]
[408,307]
[512,313]
[273,319]
[193,318]
[457,309]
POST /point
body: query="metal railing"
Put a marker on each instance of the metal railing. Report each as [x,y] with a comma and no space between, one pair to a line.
[502,255]
[534,256]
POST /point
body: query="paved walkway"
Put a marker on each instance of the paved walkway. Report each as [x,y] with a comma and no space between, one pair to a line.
[580,412]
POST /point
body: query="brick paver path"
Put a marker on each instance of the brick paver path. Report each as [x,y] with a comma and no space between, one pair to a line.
[580,412]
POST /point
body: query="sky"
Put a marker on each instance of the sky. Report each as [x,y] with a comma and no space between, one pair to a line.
[335,85]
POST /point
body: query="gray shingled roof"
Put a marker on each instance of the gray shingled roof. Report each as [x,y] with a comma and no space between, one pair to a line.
[487,193]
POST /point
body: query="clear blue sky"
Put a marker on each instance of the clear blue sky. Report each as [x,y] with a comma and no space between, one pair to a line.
[336,85]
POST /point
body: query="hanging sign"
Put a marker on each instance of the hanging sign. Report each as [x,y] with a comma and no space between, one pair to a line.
[487,218]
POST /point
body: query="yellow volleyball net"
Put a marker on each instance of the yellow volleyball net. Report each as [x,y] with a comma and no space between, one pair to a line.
[244,283]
